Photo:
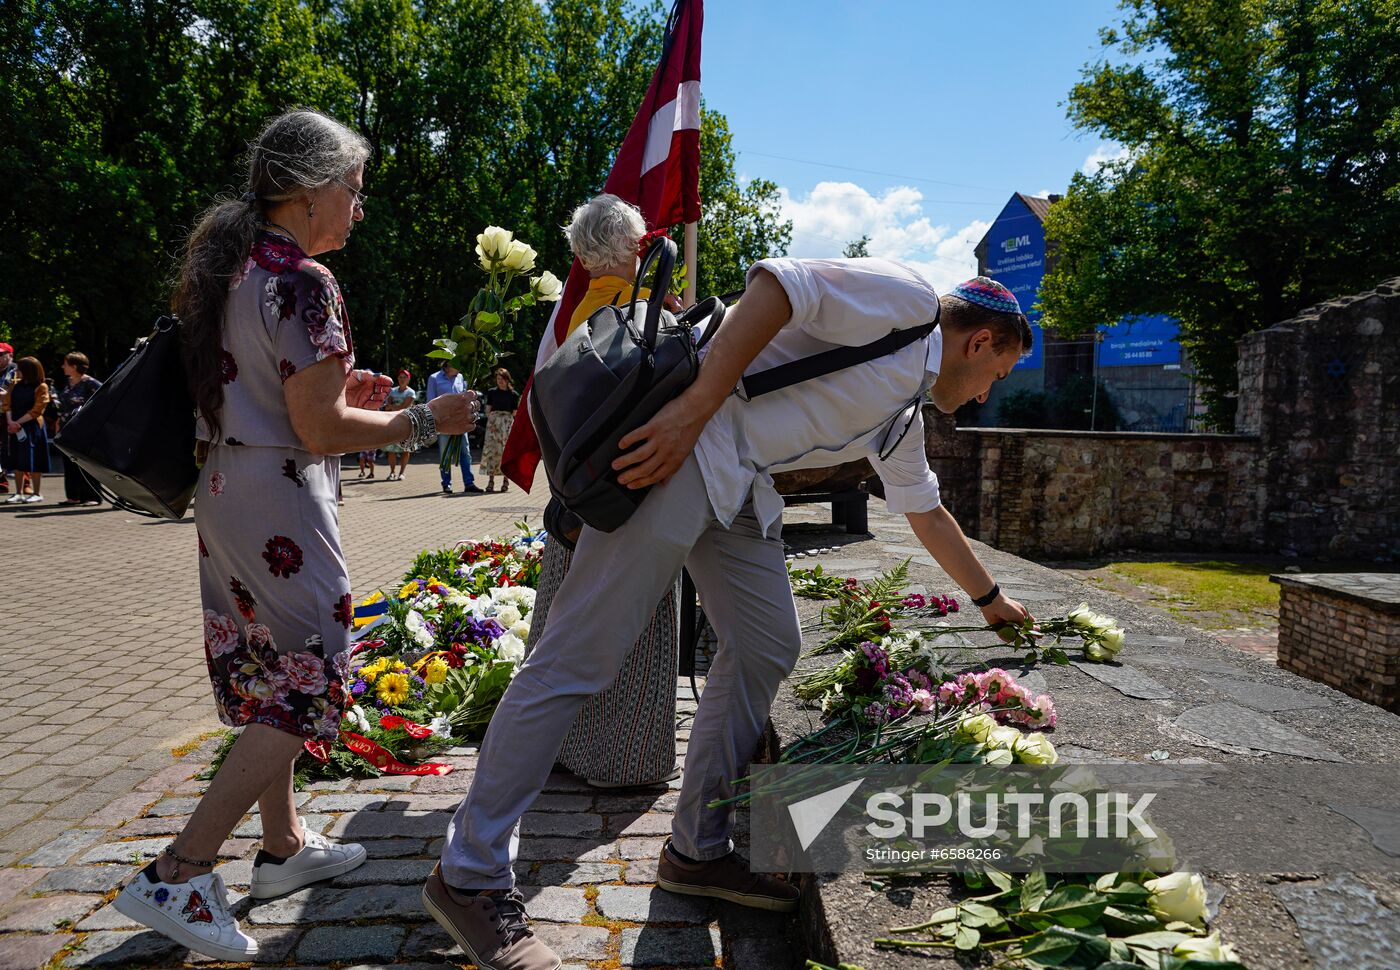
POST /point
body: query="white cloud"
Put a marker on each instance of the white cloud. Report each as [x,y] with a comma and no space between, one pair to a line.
[1107,151]
[836,213]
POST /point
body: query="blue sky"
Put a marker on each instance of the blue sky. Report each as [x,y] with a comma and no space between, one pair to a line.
[958,104]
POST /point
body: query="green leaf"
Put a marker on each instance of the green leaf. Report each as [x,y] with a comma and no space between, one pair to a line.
[1033,890]
[1000,879]
[966,938]
[979,914]
[1046,950]
[1160,940]
[441,355]
[1072,906]
[1129,919]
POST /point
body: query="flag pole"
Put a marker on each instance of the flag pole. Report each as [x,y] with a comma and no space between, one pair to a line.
[692,241]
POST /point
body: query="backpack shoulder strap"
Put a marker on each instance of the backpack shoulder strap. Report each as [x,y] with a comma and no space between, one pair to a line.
[830,361]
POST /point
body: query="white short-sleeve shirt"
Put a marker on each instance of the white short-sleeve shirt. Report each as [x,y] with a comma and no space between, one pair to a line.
[842,416]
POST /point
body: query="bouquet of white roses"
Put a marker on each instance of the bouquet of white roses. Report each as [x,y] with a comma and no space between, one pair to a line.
[476,343]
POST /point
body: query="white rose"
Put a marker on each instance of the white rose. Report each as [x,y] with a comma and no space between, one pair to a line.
[518,258]
[511,648]
[1204,948]
[1035,749]
[1112,640]
[357,717]
[547,289]
[995,756]
[1003,736]
[976,727]
[1079,616]
[507,616]
[442,727]
[1178,896]
[1097,653]
[520,629]
[492,244]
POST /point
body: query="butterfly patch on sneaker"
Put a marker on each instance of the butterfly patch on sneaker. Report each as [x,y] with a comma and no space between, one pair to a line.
[196,911]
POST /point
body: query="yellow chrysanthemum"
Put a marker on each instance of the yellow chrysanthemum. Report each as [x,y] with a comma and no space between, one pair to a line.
[409,589]
[435,673]
[370,671]
[392,689]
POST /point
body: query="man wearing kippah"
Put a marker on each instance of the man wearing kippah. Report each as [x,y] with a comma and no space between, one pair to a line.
[710,455]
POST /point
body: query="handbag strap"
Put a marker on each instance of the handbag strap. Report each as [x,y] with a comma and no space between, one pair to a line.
[830,361]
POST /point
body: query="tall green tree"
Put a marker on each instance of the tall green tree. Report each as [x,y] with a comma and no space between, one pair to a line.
[1262,174]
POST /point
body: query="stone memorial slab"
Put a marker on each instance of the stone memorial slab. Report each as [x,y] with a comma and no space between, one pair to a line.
[1148,654]
[1383,826]
[1029,678]
[1032,594]
[1266,697]
[1342,923]
[1126,680]
[900,552]
[842,567]
[1241,727]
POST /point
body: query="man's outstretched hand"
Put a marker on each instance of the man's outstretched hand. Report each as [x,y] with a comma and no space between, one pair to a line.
[661,446]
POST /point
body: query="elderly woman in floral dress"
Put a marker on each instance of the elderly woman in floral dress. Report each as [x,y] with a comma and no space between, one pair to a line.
[626,735]
[270,364]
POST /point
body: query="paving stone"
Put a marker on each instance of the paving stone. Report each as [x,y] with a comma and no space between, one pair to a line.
[123,948]
[575,873]
[1266,697]
[45,913]
[1032,594]
[642,871]
[565,850]
[169,825]
[395,848]
[638,904]
[403,783]
[575,942]
[457,783]
[237,873]
[1382,826]
[173,806]
[418,802]
[555,904]
[651,946]
[1240,727]
[1342,923]
[1195,665]
[348,803]
[28,952]
[641,848]
[119,810]
[383,825]
[562,802]
[553,823]
[298,800]
[618,804]
[387,872]
[322,905]
[150,848]
[327,785]
[1126,680]
[107,918]
[251,828]
[167,779]
[17,882]
[563,781]
[634,825]
[769,952]
[275,944]
[63,848]
[842,567]
[340,943]
[84,879]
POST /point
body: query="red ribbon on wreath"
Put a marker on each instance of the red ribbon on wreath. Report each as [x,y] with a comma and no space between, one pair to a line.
[390,721]
[379,757]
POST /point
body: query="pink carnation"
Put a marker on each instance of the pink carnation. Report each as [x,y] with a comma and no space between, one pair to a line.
[951,692]
[922,699]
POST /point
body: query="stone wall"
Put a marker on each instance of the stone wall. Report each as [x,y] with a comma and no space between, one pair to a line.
[1314,468]
[1344,631]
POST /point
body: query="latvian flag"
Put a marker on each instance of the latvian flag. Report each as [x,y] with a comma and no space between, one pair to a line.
[658,170]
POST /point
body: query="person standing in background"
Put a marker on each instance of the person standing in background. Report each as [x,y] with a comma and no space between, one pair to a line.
[8,375]
[399,398]
[27,444]
[501,402]
[447,380]
[77,487]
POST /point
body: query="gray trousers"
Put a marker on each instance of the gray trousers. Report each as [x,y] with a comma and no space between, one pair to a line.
[605,601]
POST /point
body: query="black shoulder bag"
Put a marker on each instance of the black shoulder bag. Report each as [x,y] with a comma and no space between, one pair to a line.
[135,437]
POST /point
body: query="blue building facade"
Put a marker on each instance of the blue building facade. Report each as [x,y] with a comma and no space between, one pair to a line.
[1138,359]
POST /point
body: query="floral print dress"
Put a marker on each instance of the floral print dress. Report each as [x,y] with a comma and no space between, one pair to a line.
[273,580]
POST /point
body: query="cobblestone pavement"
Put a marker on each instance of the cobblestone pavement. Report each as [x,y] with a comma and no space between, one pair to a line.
[99,693]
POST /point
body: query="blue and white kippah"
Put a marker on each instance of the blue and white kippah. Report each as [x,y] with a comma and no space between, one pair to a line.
[987,292]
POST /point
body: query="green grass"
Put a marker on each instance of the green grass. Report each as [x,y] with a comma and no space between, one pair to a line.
[1213,586]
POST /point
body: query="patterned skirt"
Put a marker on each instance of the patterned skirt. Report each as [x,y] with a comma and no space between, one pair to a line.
[275,589]
[625,734]
[498,425]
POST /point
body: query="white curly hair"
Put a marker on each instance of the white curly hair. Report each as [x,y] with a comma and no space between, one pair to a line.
[605,231]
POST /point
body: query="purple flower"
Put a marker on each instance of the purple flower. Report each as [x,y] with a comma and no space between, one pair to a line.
[913,601]
[359,688]
[875,713]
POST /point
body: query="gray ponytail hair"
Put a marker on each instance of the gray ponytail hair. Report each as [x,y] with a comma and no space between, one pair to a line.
[297,153]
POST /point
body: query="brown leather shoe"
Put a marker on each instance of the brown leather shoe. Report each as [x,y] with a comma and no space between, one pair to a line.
[492,929]
[725,878]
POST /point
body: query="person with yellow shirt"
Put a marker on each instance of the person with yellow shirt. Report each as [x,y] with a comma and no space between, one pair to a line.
[624,736]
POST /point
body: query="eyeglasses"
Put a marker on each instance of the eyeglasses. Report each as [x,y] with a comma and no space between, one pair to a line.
[906,416]
[359,196]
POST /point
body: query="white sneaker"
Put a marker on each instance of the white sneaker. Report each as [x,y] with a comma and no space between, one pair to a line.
[32,499]
[319,858]
[15,499]
[194,914]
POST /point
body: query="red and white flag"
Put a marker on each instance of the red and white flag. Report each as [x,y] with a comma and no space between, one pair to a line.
[657,169]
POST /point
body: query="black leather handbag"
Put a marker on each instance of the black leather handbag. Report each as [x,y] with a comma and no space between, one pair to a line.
[135,437]
[611,376]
